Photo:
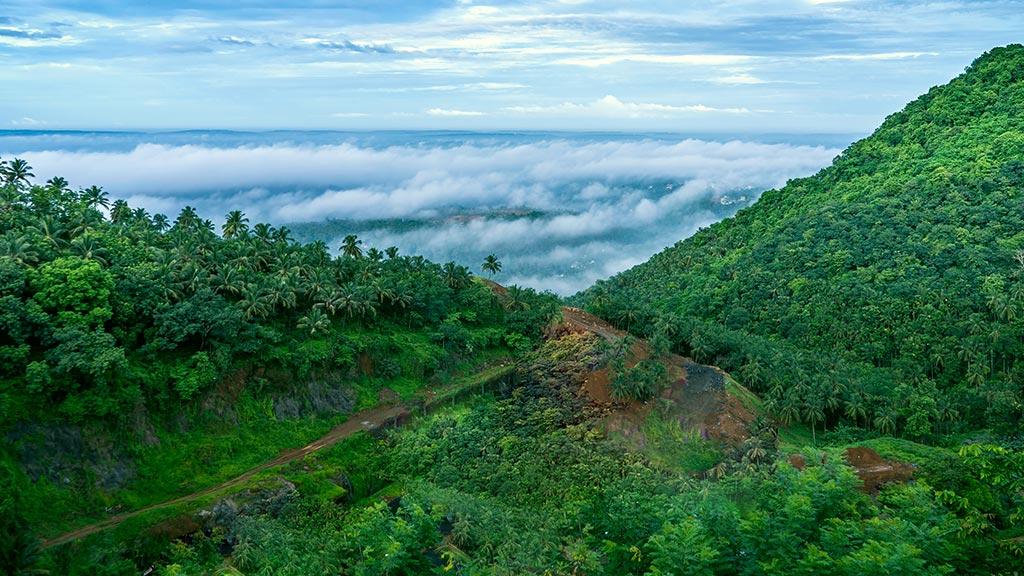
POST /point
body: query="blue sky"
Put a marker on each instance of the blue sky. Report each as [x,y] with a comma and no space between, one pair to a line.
[746,66]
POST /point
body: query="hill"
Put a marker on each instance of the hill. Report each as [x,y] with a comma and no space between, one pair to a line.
[173,401]
[887,289]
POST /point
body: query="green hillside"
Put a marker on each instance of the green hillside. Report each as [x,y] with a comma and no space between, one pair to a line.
[888,288]
[174,401]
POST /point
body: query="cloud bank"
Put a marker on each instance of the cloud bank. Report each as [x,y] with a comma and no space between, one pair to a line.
[561,213]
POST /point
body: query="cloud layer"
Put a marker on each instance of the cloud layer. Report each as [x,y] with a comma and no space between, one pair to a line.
[561,212]
[787,65]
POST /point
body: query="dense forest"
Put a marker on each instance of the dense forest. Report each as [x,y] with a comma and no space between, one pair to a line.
[122,333]
[870,321]
[886,291]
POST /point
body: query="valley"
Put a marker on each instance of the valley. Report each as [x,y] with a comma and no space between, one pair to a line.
[831,381]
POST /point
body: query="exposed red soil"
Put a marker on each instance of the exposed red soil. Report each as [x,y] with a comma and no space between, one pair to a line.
[598,386]
[365,363]
[874,470]
[495,287]
[175,528]
[697,393]
[798,461]
[729,424]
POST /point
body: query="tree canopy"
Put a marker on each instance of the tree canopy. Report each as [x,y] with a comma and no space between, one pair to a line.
[887,289]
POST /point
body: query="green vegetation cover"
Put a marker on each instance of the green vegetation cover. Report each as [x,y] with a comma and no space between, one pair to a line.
[886,290]
[179,402]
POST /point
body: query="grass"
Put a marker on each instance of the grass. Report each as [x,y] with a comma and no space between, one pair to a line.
[671,448]
[749,400]
[796,435]
[185,462]
[182,463]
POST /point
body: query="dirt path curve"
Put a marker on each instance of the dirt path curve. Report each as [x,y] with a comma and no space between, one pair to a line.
[369,419]
[589,323]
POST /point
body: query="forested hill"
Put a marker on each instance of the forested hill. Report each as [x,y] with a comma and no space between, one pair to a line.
[108,311]
[888,288]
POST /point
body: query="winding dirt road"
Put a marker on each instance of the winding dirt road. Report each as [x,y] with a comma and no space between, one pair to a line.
[364,420]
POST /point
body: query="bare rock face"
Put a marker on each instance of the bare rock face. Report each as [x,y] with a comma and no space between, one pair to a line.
[270,497]
[319,398]
[876,471]
[68,454]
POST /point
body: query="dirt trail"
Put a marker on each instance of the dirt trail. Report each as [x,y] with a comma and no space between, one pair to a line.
[587,322]
[364,420]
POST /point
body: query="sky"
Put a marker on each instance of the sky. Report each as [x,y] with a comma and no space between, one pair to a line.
[753,66]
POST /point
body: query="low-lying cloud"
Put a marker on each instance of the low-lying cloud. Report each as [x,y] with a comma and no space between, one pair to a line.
[560,212]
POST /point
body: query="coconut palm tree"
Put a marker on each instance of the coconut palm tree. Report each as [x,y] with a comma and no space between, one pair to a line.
[17,173]
[57,184]
[187,219]
[702,347]
[491,265]
[628,316]
[95,197]
[141,216]
[455,276]
[885,421]
[120,212]
[235,224]
[51,231]
[515,299]
[228,280]
[254,303]
[391,252]
[17,248]
[314,322]
[350,246]
[282,235]
[854,408]
[319,283]
[755,450]
[160,222]
[789,410]
[814,412]
[263,232]
[88,249]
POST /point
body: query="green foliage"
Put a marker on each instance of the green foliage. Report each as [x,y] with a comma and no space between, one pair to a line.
[640,382]
[83,296]
[682,548]
[195,375]
[77,291]
[885,291]
[518,486]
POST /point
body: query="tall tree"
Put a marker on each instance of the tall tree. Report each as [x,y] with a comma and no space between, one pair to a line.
[491,265]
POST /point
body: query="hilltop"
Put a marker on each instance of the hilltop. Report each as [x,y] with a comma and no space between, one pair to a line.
[887,289]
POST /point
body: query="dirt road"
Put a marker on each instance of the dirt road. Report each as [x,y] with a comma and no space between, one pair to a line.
[369,419]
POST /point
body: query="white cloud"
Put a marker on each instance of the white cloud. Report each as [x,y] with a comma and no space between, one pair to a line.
[612,107]
[872,56]
[581,209]
[451,112]
[28,121]
[673,59]
[739,79]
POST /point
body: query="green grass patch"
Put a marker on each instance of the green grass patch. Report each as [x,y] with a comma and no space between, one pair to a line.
[671,448]
[749,400]
[795,435]
[211,453]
